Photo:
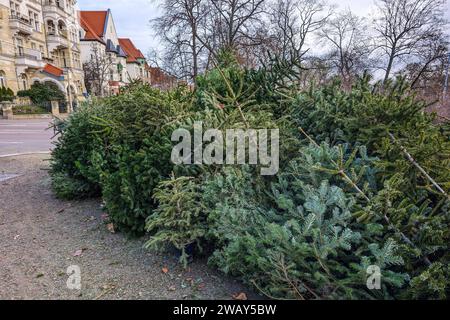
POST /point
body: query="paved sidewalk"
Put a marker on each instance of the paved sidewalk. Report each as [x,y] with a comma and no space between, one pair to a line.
[41,237]
[25,136]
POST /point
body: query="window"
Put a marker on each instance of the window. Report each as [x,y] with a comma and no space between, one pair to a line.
[55,58]
[64,60]
[62,29]
[2,79]
[31,17]
[15,9]
[80,87]
[60,4]
[12,5]
[50,27]
[34,20]
[120,71]
[42,50]
[24,81]
[37,25]
[73,35]
[76,60]
[20,50]
[111,74]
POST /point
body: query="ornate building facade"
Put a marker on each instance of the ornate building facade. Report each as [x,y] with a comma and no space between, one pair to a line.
[40,42]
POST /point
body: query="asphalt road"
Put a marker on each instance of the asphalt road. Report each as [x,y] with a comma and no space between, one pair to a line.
[24,136]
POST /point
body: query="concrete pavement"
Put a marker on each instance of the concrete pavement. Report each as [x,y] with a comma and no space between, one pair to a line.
[25,136]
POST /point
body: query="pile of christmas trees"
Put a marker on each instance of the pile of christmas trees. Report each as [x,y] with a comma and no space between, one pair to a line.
[363,185]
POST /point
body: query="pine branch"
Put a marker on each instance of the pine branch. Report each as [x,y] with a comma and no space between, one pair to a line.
[414,162]
[355,186]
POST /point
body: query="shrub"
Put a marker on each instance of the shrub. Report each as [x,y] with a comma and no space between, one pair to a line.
[43,92]
[6,94]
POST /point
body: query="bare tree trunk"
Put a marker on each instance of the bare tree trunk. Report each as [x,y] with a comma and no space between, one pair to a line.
[390,64]
[194,54]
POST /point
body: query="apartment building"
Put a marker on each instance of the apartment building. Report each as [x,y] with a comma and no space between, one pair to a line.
[100,45]
[137,67]
[39,42]
[124,61]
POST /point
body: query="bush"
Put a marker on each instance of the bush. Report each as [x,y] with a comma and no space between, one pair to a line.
[40,93]
[6,94]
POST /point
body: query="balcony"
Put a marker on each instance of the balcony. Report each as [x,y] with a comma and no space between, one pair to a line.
[57,40]
[53,9]
[20,25]
[29,58]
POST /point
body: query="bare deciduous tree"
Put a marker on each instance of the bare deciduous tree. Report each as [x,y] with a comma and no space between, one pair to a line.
[236,20]
[408,32]
[429,52]
[179,29]
[404,25]
[97,70]
[294,20]
[350,49]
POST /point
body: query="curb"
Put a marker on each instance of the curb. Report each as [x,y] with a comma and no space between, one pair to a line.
[23,154]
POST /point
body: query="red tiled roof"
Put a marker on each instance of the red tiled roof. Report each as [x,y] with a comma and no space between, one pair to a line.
[114,83]
[130,49]
[51,69]
[93,23]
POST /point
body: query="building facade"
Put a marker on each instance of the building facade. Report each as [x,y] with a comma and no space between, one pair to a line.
[103,50]
[39,42]
[100,49]
[137,67]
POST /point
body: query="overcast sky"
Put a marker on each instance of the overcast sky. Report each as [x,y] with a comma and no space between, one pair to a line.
[132,16]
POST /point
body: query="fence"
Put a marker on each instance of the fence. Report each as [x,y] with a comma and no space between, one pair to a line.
[22,110]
